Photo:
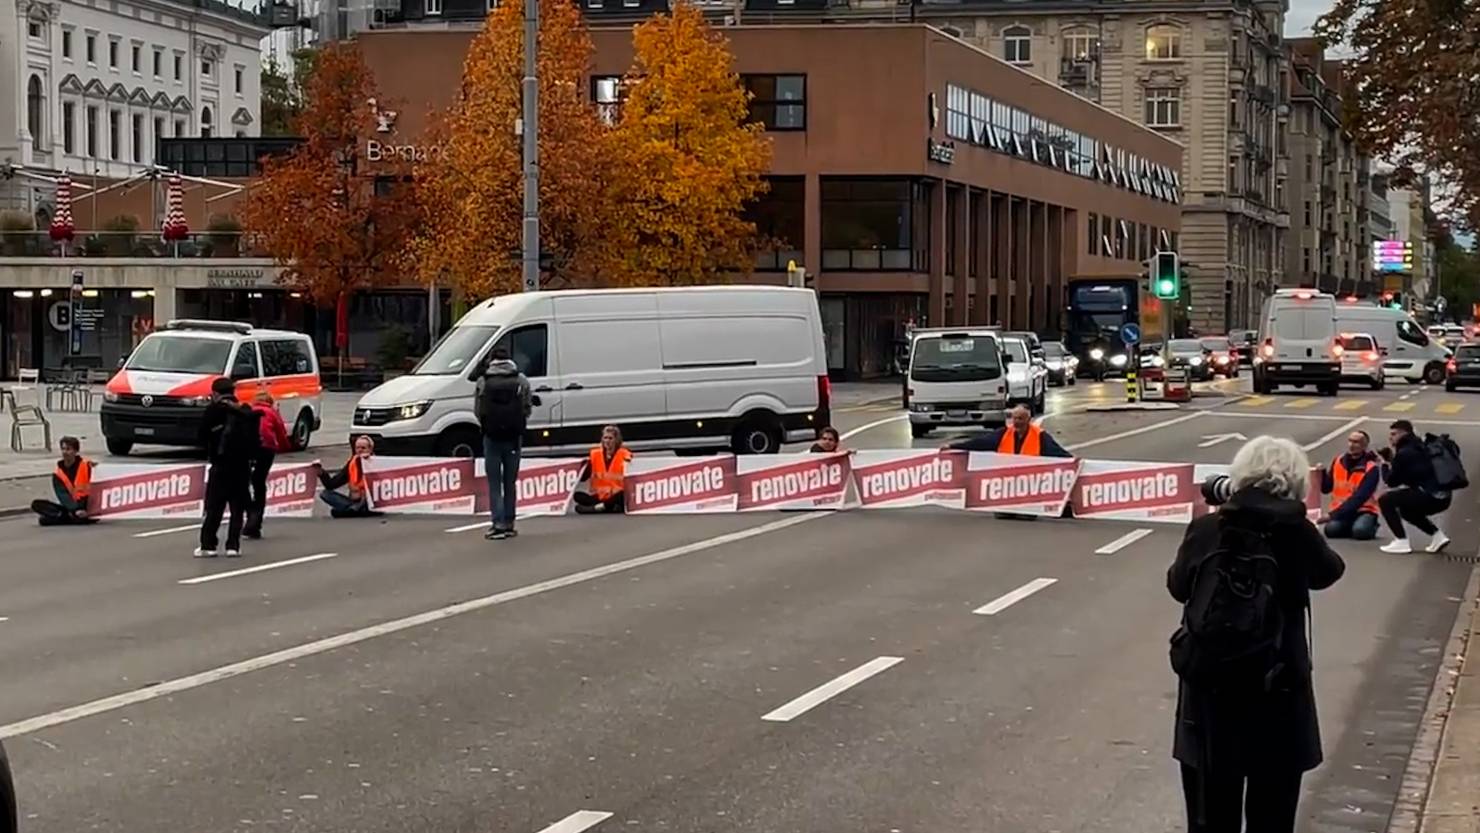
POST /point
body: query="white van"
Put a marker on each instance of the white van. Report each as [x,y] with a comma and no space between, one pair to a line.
[739,368]
[160,391]
[956,377]
[1412,354]
[1298,342]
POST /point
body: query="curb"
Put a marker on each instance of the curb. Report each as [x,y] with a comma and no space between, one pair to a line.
[1418,775]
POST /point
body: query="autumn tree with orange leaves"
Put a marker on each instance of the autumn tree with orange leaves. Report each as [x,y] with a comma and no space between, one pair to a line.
[1414,72]
[471,190]
[316,211]
[691,160]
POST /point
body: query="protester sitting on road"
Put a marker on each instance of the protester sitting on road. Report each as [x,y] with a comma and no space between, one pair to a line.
[1019,436]
[355,504]
[274,435]
[1245,730]
[70,482]
[604,472]
[828,442]
[1413,493]
[1352,480]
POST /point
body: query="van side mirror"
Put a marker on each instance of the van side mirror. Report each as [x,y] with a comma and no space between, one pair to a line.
[535,400]
[121,362]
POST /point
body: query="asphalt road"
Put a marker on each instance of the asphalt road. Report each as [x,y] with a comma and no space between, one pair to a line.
[658,669]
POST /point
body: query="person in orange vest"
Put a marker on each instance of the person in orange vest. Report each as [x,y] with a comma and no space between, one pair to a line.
[70,481]
[604,472]
[1018,436]
[1351,480]
[355,504]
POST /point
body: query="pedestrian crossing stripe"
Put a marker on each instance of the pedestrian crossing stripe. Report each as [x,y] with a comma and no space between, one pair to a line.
[1349,405]
[1450,408]
[1399,406]
[1256,401]
[1301,403]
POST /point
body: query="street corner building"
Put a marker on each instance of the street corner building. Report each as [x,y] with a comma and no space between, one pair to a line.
[919,180]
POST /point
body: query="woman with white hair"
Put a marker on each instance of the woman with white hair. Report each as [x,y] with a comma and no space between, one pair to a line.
[1246,729]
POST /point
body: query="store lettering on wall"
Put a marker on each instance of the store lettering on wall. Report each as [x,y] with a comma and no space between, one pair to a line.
[942,152]
[378,151]
[235,278]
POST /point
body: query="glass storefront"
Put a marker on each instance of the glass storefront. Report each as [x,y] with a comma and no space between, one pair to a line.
[37,326]
[863,332]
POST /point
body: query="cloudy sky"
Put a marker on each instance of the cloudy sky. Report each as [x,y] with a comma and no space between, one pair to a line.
[1302,14]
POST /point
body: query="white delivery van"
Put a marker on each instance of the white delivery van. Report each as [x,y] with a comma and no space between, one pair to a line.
[739,368]
[1412,354]
[161,390]
[956,377]
[1298,342]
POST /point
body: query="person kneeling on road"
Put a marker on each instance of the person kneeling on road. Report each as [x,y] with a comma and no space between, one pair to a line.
[604,471]
[1413,493]
[1351,480]
[828,442]
[1019,436]
[70,482]
[356,504]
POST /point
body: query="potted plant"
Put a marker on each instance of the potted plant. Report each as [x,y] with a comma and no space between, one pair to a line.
[118,235]
[223,237]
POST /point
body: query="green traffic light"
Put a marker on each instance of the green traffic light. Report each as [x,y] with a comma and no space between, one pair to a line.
[1166,287]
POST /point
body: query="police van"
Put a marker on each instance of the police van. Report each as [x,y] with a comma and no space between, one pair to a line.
[160,392]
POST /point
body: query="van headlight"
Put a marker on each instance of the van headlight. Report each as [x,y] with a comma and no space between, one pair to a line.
[1118,360]
[1095,354]
[110,396]
[196,401]
[411,410]
[1195,361]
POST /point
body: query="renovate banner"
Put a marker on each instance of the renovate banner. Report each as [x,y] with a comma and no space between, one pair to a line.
[902,479]
[793,481]
[127,490]
[291,490]
[1020,485]
[545,486]
[676,485]
[421,485]
[1131,491]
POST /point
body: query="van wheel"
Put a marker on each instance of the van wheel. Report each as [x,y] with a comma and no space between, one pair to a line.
[1433,374]
[458,442]
[920,431]
[120,448]
[757,435]
[302,431]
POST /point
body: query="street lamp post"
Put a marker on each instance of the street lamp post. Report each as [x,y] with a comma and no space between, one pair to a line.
[531,128]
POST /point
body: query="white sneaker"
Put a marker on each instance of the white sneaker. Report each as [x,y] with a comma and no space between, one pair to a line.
[1397,546]
[201,552]
[1439,543]
[233,553]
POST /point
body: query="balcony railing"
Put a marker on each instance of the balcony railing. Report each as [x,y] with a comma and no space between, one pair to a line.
[126,244]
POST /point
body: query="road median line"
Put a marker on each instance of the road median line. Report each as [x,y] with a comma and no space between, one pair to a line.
[821,694]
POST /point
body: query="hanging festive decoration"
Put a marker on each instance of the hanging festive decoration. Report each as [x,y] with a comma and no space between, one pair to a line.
[62,228]
[175,228]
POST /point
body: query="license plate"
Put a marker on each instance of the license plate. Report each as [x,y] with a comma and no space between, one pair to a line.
[143,432]
[956,414]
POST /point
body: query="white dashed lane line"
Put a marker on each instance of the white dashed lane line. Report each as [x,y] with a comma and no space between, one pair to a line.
[1007,600]
[153,533]
[578,821]
[1123,541]
[260,568]
[829,690]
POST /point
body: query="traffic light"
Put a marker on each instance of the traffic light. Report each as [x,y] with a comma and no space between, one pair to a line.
[1166,276]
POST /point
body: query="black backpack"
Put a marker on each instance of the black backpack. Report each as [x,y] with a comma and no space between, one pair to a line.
[502,411]
[1443,452]
[241,436]
[1232,624]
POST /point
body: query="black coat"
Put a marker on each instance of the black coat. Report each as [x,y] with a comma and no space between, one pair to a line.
[1412,467]
[1249,732]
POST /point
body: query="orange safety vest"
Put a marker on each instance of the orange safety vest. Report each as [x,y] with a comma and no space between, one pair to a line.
[356,472]
[1031,444]
[78,488]
[1344,483]
[607,481]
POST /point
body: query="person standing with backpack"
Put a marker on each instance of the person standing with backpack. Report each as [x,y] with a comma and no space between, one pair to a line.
[1246,729]
[273,440]
[1414,492]
[502,404]
[231,436]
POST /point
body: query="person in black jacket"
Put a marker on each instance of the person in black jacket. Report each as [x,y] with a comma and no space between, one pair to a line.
[9,818]
[502,404]
[230,433]
[1413,493]
[1243,752]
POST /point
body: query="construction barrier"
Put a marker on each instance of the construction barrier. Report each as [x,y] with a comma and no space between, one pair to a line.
[1139,491]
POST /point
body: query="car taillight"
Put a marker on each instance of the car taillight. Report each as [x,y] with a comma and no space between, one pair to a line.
[824,392]
[1268,348]
[1451,364]
[1337,350]
[1370,355]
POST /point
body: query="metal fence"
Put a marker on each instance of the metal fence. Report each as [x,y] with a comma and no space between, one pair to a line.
[126,244]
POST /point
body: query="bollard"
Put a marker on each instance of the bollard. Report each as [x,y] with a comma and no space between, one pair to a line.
[1131,388]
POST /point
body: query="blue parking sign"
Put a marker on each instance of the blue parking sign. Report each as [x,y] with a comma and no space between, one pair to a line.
[1130,333]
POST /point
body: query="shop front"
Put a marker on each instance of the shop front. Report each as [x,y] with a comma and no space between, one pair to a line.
[38,328]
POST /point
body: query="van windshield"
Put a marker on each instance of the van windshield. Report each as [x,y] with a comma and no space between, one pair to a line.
[456,351]
[180,354]
[955,359]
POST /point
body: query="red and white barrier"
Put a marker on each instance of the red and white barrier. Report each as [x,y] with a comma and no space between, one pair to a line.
[1020,485]
[126,490]
[1126,491]
[544,487]
[292,489]
[793,481]
[902,479]
[673,485]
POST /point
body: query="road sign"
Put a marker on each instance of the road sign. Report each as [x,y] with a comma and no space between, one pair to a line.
[1130,333]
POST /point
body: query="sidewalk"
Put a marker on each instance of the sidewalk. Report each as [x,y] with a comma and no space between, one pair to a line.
[1453,802]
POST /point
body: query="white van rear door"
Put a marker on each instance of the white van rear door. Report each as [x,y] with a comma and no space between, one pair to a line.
[610,362]
[1303,330]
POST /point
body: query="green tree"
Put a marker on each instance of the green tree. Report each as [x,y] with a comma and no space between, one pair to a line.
[284,91]
[1458,275]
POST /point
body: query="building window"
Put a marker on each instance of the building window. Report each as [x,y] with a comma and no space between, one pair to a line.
[179,65]
[958,113]
[179,127]
[1307,212]
[434,7]
[158,128]
[608,93]
[1081,46]
[115,133]
[92,131]
[33,29]
[136,58]
[35,112]
[1093,234]
[205,122]
[779,102]
[1163,107]
[874,224]
[69,127]
[1017,45]
[779,216]
[1163,43]
[112,54]
[236,80]
[207,68]
[158,62]
[137,137]
[91,48]
[67,44]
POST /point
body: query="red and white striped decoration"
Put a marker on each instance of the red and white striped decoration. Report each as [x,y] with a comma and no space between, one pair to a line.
[62,228]
[175,227]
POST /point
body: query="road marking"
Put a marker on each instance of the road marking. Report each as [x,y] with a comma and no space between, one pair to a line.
[260,568]
[1002,603]
[826,691]
[172,530]
[1121,543]
[4,618]
[1349,405]
[1333,434]
[1257,401]
[309,649]
[1400,406]
[1155,426]
[1303,402]
[875,424]
[576,822]
[468,527]
[1449,408]
[1210,440]
[1265,416]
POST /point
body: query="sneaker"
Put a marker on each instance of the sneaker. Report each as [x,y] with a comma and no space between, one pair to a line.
[1397,546]
[1439,543]
[202,552]
[511,533]
[233,553]
[493,534]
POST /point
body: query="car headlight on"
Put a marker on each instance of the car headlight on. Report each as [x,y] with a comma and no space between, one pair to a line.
[1096,353]
[110,396]
[1195,361]
[1055,364]
[411,410]
[918,408]
[1117,360]
[196,401]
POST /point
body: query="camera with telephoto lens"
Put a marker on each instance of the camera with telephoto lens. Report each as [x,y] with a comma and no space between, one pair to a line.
[1217,489]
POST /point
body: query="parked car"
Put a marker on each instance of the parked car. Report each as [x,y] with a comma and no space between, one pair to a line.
[1361,359]
[1062,365]
[1223,355]
[1463,369]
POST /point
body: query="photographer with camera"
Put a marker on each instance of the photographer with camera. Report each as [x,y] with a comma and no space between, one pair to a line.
[1414,493]
[1352,480]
